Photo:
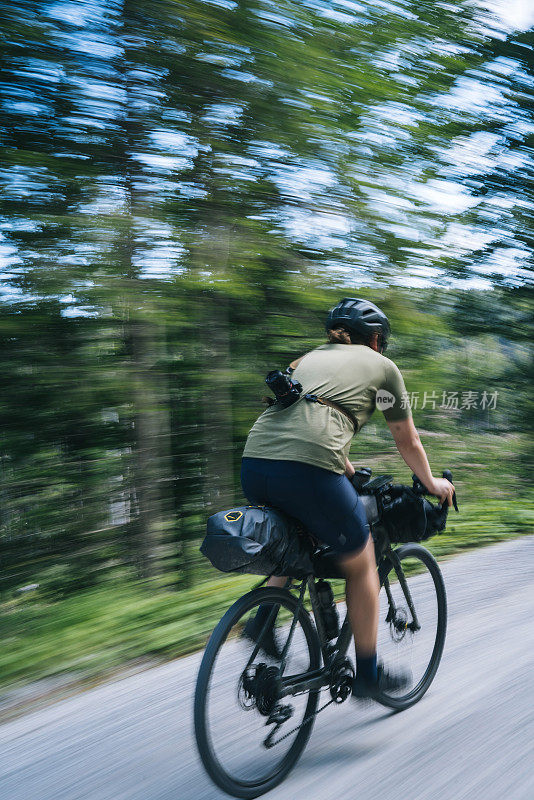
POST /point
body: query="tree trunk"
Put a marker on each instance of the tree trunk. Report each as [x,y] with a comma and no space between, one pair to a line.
[217,398]
[149,438]
[217,401]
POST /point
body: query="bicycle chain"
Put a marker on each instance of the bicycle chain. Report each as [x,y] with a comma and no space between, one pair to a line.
[268,743]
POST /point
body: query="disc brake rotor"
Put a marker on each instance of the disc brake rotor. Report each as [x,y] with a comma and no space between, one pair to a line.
[399,625]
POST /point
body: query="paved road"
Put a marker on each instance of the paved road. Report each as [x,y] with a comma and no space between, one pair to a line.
[471,737]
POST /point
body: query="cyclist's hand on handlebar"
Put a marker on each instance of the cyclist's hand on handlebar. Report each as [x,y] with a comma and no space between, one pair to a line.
[443,489]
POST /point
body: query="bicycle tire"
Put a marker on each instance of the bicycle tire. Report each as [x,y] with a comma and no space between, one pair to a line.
[418,552]
[216,771]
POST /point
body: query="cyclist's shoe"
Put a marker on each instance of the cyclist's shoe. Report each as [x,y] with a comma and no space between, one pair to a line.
[387,682]
[269,644]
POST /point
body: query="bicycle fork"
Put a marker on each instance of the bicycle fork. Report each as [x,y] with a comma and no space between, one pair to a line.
[414,625]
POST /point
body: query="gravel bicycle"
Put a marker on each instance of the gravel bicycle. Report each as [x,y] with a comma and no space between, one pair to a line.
[253,714]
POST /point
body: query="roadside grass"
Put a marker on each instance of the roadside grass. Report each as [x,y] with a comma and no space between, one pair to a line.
[90,635]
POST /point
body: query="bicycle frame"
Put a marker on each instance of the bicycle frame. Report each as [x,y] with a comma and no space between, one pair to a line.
[335,653]
[331,652]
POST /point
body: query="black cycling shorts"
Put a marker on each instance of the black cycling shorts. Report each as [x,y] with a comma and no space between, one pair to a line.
[325,502]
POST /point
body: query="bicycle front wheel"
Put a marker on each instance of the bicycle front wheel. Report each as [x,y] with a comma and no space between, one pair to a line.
[236,696]
[412,622]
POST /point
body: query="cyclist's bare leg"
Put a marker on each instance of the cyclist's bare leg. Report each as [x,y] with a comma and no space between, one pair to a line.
[278,582]
[362,592]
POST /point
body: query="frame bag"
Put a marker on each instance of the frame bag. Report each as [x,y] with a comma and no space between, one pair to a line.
[259,540]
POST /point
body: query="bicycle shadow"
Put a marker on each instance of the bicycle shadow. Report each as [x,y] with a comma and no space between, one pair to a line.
[345,743]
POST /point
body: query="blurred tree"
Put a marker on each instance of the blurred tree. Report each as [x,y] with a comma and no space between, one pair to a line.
[187,187]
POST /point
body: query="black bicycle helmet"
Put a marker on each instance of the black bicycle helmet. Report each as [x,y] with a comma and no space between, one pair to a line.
[360,317]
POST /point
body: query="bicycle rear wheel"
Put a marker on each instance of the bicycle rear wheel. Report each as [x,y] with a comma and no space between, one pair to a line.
[236,693]
[412,621]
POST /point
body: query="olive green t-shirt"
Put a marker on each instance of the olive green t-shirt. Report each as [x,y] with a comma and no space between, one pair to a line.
[350,375]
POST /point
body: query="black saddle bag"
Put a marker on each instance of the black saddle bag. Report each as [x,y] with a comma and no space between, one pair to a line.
[408,517]
[259,540]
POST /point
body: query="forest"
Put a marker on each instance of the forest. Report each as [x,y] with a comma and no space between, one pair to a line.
[187,188]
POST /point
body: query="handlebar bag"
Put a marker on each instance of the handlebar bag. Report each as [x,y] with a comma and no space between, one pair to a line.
[258,540]
[408,517]
[436,518]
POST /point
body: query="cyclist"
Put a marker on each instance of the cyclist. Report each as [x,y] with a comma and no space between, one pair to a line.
[296,459]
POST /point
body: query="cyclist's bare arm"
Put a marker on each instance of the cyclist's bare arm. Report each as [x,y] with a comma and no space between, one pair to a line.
[410,447]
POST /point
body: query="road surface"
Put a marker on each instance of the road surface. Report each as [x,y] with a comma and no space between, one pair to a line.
[471,737]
